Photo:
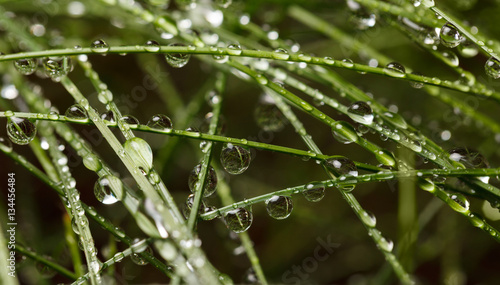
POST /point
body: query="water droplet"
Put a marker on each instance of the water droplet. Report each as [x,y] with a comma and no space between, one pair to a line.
[210,180]
[340,165]
[177,60]
[234,158]
[459,203]
[279,207]
[20,130]
[427,185]
[344,132]
[416,84]
[160,122]
[152,46]
[470,158]
[129,120]
[468,49]
[385,157]
[99,46]
[234,49]
[109,116]
[451,58]
[395,69]
[5,145]
[103,189]
[368,218]
[25,66]
[386,244]
[361,112]
[238,220]
[75,112]
[137,259]
[58,66]
[269,117]
[450,36]
[92,162]
[476,220]
[140,152]
[347,62]
[314,193]
[281,54]
[492,68]
[188,205]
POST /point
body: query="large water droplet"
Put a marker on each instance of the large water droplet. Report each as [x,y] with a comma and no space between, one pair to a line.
[459,203]
[361,112]
[152,46]
[177,60]
[238,220]
[20,130]
[210,180]
[75,112]
[279,207]
[492,68]
[103,189]
[470,159]
[234,158]
[58,66]
[25,66]
[340,165]
[314,193]
[269,117]
[160,122]
[99,46]
[450,36]
[188,205]
[140,152]
[385,157]
[129,120]
[344,132]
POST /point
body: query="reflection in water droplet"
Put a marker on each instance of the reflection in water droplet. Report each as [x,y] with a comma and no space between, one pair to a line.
[269,117]
[238,220]
[459,203]
[344,133]
[152,46]
[314,193]
[140,152]
[103,191]
[58,67]
[234,158]
[99,46]
[450,36]
[361,112]
[20,130]
[340,165]
[160,122]
[279,207]
[75,112]
[25,66]
[492,68]
[210,180]
[177,60]
[395,69]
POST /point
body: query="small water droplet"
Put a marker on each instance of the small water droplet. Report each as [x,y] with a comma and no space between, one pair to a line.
[20,130]
[347,62]
[76,112]
[238,220]
[177,60]
[25,66]
[459,203]
[92,162]
[99,46]
[234,49]
[361,112]
[340,165]
[234,158]
[281,54]
[451,58]
[269,117]
[129,120]
[386,244]
[152,46]
[160,122]
[395,69]
[140,152]
[314,193]
[103,189]
[109,116]
[344,132]
[279,207]
[210,180]
[492,68]
[368,218]
[385,157]
[188,206]
[450,36]
[416,84]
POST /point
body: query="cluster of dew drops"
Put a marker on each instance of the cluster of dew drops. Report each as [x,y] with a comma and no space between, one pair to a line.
[235,159]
